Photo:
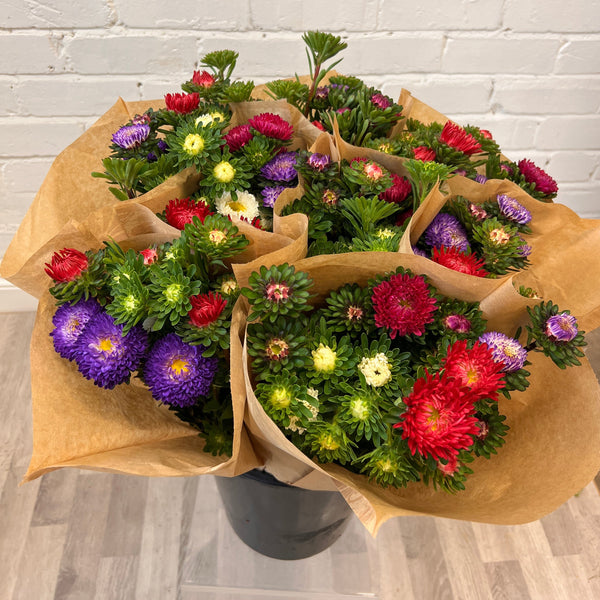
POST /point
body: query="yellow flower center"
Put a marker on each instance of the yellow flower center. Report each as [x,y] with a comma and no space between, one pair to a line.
[193,144]
[130,303]
[359,408]
[236,206]
[180,366]
[280,398]
[327,442]
[216,236]
[106,345]
[385,465]
[173,293]
[224,172]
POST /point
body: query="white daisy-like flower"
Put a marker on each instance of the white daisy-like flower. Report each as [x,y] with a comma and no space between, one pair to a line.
[245,206]
[376,369]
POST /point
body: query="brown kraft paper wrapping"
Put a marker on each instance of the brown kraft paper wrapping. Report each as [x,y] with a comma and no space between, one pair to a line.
[552,449]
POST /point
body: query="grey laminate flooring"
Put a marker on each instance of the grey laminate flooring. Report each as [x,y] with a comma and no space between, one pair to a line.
[88,536]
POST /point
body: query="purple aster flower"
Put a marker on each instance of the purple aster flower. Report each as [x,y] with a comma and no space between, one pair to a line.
[513,210]
[151,157]
[69,322]
[524,251]
[177,373]
[105,355]
[446,230]
[281,168]
[270,195]
[162,145]
[339,86]
[420,252]
[562,327]
[322,93]
[505,350]
[480,178]
[318,162]
[131,136]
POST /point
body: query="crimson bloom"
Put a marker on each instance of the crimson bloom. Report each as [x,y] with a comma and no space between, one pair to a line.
[181,211]
[463,262]
[456,137]
[182,103]
[439,420]
[474,368]
[238,137]
[403,305]
[272,126]
[542,181]
[398,191]
[66,265]
[203,79]
[424,154]
[150,255]
[206,309]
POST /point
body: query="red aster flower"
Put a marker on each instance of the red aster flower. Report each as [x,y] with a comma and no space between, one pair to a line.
[150,255]
[449,468]
[463,262]
[204,79]
[398,191]
[238,137]
[474,368]
[486,134]
[180,212]
[439,420]
[255,222]
[542,181]
[182,103]
[206,309]
[424,154]
[66,265]
[456,137]
[403,305]
[318,125]
[272,126]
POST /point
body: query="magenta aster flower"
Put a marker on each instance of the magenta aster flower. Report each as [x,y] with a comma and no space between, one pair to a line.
[513,210]
[505,350]
[106,356]
[458,323]
[273,126]
[177,373]
[447,230]
[562,327]
[238,137]
[69,322]
[403,305]
[270,195]
[281,168]
[398,191]
[480,178]
[131,136]
[381,101]
[542,181]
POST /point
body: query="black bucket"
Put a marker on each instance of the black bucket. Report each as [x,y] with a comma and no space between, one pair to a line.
[280,520]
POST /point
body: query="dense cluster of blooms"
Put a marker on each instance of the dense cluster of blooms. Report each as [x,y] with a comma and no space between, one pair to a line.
[392,379]
[485,239]
[161,314]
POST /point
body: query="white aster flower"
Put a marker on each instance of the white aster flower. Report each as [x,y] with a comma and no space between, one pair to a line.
[376,370]
[245,206]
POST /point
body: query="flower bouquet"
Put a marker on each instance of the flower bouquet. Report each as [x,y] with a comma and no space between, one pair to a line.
[397,381]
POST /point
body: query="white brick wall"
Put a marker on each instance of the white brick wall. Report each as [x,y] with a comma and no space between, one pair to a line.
[527,70]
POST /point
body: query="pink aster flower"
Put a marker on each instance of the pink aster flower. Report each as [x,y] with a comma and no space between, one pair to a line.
[403,305]
[380,101]
[272,126]
[203,79]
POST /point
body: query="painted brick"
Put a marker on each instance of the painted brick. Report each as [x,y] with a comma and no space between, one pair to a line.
[132,54]
[55,13]
[257,54]
[510,132]
[34,137]
[407,15]
[579,16]
[446,94]
[499,55]
[8,96]
[579,56]
[153,90]
[14,206]
[24,53]
[569,133]
[573,166]
[72,95]
[393,54]
[547,96]
[307,15]
[184,14]
[24,175]
[582,199]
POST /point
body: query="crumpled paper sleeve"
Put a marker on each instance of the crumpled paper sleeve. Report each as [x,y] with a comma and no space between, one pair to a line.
[413,108]
[69,191]
[551,452]
[124,430]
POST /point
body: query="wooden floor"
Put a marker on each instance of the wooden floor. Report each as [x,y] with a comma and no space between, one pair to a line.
[90,536]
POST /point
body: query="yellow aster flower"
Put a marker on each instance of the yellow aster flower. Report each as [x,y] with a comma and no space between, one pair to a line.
[224,171]
[324,359]
[193,144]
